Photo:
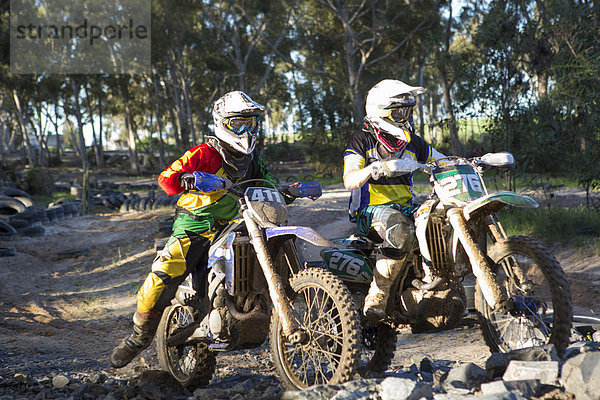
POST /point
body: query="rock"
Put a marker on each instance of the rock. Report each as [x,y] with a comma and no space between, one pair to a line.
[450,396]
[464,376]
[496,364]
[60,381]
[581,347]
[401,388]
[423,362]
[545,371]
[527,388]
[321,392]
[21,378]
[150,391]
[581,376]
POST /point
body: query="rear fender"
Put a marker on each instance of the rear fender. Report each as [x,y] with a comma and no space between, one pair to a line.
[301,232]
[493,202]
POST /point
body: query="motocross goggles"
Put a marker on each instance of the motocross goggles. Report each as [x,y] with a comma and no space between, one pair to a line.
[240,124]
[398,114]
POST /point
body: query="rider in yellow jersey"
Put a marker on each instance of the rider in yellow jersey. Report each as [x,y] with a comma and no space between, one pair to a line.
[381,200]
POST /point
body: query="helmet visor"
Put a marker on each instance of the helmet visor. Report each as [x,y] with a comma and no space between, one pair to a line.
[240,124]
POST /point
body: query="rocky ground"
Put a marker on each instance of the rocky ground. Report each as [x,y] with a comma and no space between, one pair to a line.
[66,299]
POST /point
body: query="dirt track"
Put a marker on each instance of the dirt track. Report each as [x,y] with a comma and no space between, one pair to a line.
[64,315]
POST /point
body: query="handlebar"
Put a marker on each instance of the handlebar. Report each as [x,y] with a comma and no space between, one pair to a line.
[208,183]
[502,161]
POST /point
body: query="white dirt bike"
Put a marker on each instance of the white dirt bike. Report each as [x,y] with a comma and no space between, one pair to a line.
[254,276]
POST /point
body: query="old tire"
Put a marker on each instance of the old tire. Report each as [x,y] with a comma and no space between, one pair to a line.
[325,312]
[7,231]
[11,206]
[8,251]
[191,364]
[543,309]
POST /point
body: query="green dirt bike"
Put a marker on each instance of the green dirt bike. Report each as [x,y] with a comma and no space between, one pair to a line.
[521,294]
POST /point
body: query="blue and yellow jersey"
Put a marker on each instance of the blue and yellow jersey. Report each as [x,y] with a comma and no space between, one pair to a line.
[361,151]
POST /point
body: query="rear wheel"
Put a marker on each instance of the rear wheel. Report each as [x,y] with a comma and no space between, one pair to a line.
[191,364]
[324,311]
[532,278]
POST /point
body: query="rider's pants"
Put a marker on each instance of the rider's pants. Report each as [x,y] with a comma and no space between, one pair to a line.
[392,223]
[183,252]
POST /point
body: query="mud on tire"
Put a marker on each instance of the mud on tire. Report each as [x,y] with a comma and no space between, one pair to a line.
[543,312]
[323,308]
[192,365]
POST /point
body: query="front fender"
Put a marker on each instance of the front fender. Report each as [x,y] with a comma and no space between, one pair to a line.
[302,232]
[493,202]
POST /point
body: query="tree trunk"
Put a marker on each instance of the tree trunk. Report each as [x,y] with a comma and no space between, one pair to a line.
[21,123]
[134,163]
[161,145]
[97,150]
[84,160]
[100,140]
[455,144]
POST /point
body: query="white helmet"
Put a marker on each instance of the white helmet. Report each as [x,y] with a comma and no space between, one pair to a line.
[389,107]
[236,117]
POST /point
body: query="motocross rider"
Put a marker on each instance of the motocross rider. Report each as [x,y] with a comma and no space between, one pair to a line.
[229,154]
[381,199]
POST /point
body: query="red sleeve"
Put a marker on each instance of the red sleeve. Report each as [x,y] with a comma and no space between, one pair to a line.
[200,158]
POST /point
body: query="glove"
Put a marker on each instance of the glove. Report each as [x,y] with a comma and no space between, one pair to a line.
[393,167]
[312,190]
[187,181]
[376,170]
[207,183]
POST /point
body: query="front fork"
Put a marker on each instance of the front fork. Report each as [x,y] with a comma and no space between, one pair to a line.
[274,282]
[485,277]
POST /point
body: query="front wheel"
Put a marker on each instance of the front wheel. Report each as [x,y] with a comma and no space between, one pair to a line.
[540,310]
[324,311]
[191,364]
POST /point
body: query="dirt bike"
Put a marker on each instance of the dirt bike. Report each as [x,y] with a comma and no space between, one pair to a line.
[521,294]
[254,276]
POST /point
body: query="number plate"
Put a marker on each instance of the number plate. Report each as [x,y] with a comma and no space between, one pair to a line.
[460,182]
[348,265]
[264,195]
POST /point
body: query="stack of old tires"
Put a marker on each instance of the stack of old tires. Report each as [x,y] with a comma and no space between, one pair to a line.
[118,201]
[18,216]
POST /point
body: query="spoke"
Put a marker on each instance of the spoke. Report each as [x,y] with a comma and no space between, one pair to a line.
[292,354]
[333,356]
[323,303]
[337,339]
[307,304]
[327,315]
[324,379]
[328,318]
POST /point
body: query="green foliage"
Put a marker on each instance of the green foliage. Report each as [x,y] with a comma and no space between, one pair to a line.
[554,224]
[284,151]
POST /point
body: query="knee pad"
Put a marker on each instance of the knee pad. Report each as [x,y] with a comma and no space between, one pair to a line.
[399,232]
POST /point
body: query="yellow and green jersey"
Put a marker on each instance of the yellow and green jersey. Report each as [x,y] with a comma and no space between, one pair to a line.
[205,211]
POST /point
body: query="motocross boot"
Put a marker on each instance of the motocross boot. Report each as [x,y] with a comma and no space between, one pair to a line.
[144,328]
[386,270]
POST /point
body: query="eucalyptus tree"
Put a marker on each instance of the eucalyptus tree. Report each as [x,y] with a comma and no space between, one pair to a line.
[573,30]
[344,41]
